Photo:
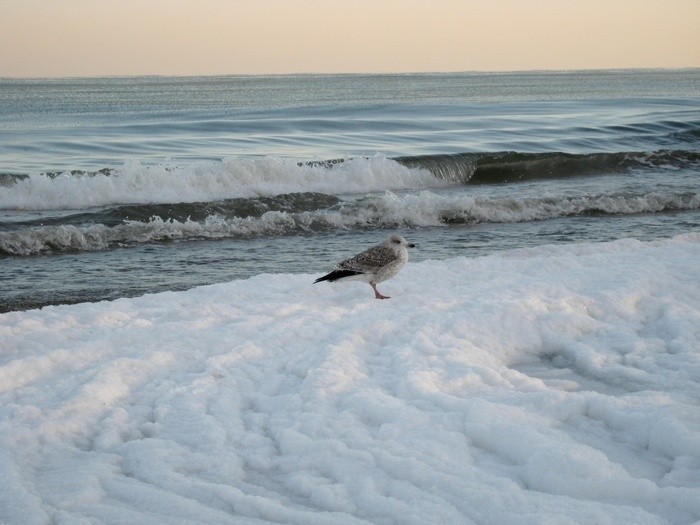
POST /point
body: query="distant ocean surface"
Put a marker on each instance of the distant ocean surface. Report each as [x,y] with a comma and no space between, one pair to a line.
[114,187]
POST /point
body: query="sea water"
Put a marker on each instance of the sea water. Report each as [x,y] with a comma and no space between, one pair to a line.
[113,187]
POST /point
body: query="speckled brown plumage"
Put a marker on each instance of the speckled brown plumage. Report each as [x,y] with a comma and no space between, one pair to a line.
[374,265]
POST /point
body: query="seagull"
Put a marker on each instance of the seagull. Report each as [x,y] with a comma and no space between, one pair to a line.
[374,265]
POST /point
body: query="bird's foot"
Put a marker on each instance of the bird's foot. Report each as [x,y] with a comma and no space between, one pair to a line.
[377,294]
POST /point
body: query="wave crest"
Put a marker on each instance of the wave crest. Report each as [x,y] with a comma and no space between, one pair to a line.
[510,166]
[387,210]
[234,178]
[135,183]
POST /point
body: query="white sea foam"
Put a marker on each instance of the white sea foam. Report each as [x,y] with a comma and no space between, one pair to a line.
[556,384]
[135,183]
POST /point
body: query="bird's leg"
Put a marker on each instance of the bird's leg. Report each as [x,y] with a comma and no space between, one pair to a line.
[378,295]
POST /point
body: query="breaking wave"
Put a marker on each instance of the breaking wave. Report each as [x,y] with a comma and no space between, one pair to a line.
[308,213]
[503,167]
[235,178]
[135,183]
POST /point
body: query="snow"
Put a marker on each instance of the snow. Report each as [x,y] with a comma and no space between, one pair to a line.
[558,384]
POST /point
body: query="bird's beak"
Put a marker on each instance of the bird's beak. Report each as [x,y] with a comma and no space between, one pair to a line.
[411,245]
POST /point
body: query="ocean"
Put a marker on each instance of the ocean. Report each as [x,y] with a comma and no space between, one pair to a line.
[119,187]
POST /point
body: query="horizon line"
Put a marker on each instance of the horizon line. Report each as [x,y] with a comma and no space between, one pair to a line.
[349,74]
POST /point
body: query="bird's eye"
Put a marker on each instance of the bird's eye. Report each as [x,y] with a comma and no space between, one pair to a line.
[397,241]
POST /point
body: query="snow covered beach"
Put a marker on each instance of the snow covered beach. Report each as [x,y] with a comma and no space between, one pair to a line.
[557,384]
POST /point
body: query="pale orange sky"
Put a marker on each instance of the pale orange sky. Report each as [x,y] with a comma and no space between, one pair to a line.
[207,37]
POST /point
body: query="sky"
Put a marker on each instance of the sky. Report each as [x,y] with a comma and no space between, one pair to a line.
[208,37]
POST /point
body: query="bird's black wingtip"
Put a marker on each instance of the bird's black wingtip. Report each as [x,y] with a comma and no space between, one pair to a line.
[337,274]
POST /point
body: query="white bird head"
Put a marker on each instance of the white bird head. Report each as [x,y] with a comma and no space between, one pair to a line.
[398,240]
